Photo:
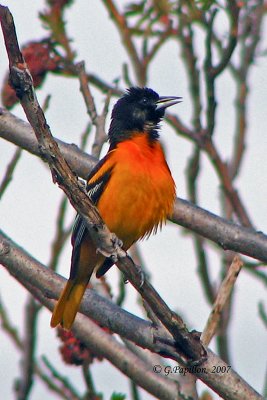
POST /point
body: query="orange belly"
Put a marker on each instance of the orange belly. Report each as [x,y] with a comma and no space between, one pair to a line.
[140,193]
[137,199]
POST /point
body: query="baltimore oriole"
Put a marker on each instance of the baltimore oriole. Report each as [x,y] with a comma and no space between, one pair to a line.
[131,186]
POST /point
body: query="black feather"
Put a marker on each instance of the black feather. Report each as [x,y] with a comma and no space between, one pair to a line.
[107,264]
[135,111]
[79,230]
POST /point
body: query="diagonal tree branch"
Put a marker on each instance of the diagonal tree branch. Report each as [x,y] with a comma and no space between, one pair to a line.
[221,169]
[221,300]
[187,343]
[226,234]
[43,283]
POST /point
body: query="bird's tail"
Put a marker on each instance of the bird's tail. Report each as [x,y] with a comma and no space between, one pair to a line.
[68,304]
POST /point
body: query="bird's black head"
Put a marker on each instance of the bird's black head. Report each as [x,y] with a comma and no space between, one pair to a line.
[139,110]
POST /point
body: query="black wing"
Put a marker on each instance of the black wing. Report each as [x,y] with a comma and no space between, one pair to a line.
[94,190]
[107,264]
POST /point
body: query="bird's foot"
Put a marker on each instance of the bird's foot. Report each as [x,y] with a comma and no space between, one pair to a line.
[141,274]
[111,251]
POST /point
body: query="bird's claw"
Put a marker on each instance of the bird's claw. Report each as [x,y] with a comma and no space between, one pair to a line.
[111,251]
[117,243]
[142,275]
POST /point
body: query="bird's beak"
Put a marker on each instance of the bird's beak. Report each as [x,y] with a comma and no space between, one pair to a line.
[167,101]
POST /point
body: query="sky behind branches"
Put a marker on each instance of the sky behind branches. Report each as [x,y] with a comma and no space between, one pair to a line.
[29,207]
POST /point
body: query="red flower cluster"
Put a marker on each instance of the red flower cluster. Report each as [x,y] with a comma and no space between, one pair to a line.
[74,351]
[40,60]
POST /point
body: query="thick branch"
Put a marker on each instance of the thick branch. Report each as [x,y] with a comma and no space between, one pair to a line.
[35,277]
[105,242]
[20,133]
[226,234]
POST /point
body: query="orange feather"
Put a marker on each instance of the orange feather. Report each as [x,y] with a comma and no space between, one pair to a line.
[132,188]
[137,199]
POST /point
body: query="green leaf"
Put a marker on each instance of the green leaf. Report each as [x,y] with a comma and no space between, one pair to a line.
[118,396]
[133,9]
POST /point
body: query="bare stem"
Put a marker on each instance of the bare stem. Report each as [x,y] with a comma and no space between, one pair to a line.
[220,301]
[10,171]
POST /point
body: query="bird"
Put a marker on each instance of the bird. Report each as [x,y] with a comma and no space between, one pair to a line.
[131,186]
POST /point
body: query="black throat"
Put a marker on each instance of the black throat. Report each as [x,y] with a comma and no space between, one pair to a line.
[120,131]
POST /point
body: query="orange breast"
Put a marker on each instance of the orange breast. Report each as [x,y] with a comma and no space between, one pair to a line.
[140,193]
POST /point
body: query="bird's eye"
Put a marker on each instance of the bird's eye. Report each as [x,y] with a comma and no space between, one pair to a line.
[144,100]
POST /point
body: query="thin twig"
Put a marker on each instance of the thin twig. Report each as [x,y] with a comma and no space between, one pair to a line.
[126,75]
[226,234]
[61,235]
[41,282]
[223,172]
[135,394]
[223,335]
[100,135]
[46,102]
[262,313]
[126,36]
[209,77]
[221,299]
[221,168]
[91,392]
[86,92]
[12,332]
[226,54]
[157,46]
[188,343]
[252,269]
[26,381]
[192,174]
[51,383]
[85,136]
[122,291]
[249,41]
[186,37]
[10,171]
[97,120]
[54,18]
[8,327]
[69,389]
